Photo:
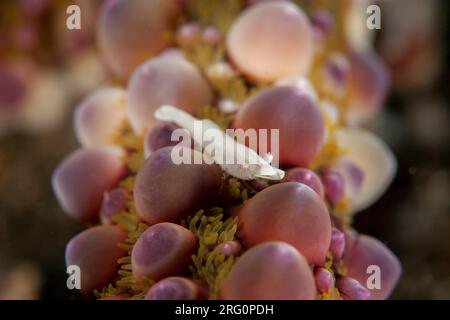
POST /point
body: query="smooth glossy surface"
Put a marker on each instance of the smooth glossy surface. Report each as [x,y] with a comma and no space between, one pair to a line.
[289,212]
[129,32]
[176,288]
[99,116]
[166,79]
[271,40]
[95,252]
[292,111]
[307,177]
[364,251]
[164,191]
[80,181]
[163,250]
[270,271]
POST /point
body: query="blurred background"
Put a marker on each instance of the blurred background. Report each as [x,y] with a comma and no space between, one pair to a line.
[45,69]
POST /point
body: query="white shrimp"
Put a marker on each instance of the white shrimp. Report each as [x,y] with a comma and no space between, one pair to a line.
[241,161]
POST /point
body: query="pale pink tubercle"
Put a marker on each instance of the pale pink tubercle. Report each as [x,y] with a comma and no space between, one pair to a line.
[353,177]
[176,288]
[80,181]
[306,177]
[114,202]
[333,184]
[189,33]
[159,136]
[302,83]
[290,110]
[291,212]
[272,270]
[337,245]
[163,250]
[99,116]
[351,289]
[95,252]
[279,47]
[230,248]
[147,89]
[367,259]
[324,280]
[127,32]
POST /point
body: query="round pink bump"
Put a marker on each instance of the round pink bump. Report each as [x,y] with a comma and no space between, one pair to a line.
[131,31]
[189,33]
[167,79]
[351,289]
[163,250]
[114,202]
[364,251]
[353,177]
[280,47]
[324,280]
[333,183]
[99,116]
[337,245]
[80,181]
[160,136]
[305,176]
[95,252]
[230,248]
[211,35]
[290,110]
[270,271]
[176,288]
[165,191]
[289,212]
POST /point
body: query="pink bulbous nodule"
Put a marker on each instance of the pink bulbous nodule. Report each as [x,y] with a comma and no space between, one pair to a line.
[336,71]
[324,280]
[211,35]
[163,250]
[289,212]
[165,191]
[362,252]
[290,110]
[160,136]
[334,185]
[281,46]
[176,288]
[131,31]
[230,248]
[353,177]
[270,271]
[113,203]
[96,253]
[168,79]
[80,181]
[189,33]
[337,244]
[99,116]
[352,289]
[307,177]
